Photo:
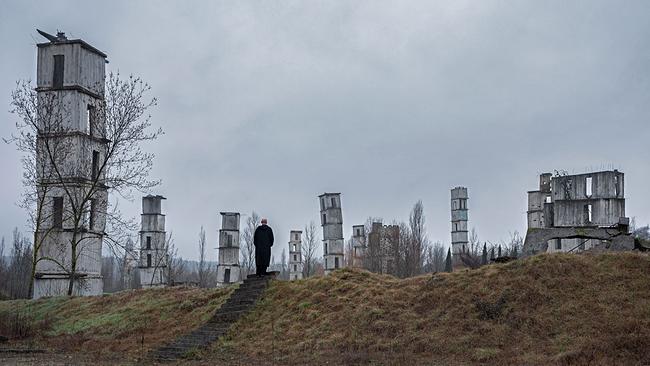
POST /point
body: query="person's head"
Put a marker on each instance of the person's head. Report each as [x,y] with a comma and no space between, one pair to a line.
[265,221]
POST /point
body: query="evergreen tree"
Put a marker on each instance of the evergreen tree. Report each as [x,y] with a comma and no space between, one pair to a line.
[448,267]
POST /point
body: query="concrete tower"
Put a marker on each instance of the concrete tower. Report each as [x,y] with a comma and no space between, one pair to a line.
[295,255]
[228,270]
[332,222]
[358,245]
[459,240]
[70,76]
[153,249]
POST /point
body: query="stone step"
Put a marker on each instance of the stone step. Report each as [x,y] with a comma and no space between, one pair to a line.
[229,316]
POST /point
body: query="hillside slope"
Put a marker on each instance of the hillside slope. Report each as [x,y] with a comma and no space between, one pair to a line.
[547,309]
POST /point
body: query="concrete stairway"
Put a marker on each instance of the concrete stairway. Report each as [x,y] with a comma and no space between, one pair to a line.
[240,303]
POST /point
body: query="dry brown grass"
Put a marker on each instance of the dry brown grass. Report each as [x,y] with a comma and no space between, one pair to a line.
[127,323]
[548,309]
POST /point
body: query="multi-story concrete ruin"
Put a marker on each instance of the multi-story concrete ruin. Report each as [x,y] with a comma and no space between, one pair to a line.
[70,147]
[578,212]
[295,255]
[383,243]
[228,269]
[459,216]
[358,245]
[153,243]
[332,222]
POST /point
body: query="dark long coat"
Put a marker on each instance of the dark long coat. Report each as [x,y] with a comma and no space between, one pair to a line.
[263,240]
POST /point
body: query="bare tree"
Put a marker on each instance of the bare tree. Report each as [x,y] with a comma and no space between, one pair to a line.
[248,249]
[309,248]
[435,258]
[202,270]
[47,141]
[175,265]
[418,240]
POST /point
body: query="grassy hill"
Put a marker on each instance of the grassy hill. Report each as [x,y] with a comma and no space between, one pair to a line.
[547,309]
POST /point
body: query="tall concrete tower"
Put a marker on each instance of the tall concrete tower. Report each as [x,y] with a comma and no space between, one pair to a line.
[332,222]
[295,255]
[153,249]
[358,245]
[70,78]
[228,270]
[459,239]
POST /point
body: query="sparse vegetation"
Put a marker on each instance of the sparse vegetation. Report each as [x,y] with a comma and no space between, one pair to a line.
[546,309]
[128,322]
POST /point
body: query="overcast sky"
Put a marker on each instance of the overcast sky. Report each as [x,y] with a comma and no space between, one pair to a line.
[267,104]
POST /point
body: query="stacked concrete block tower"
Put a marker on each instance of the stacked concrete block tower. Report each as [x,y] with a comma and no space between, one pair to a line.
[70,78]
[358,245]
[332,222]
[153,246]
[459,211]
[295,255]
[228,269]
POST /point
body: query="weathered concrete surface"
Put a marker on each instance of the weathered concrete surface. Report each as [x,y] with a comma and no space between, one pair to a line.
[537,239]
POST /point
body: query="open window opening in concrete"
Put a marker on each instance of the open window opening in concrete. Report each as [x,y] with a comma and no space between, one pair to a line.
[588,186]
[558,244]
[587,210]
[455,226]
[57,212]
[454,205]
[95,164]
[148,260]
[336,262]
[226,275]
[148,243]
[324,219]
[322,203]
[547,199]
[90,119]
[295,257]
[617,187]
[324,248]
[57,76]
[294,248]
[295,268]
[333,202]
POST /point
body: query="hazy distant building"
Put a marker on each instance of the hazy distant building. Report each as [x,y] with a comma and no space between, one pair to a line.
[70,75]
[295,255]
[358,245]
[383,243]
[570,213]
[459,218]
[228,269]
[332,222]
[153,246]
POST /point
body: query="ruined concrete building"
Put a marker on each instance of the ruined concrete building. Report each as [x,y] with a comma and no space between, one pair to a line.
[295,255]
[228,270]
[383,244]
[358,245]
[332,222]
[459,216]
[153,245]
[70,72]
[571,213]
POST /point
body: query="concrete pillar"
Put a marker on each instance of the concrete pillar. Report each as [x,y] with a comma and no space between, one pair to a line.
[228,269]
[295,255]
[332,223]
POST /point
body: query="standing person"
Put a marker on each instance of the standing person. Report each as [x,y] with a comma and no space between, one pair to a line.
[263,241]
